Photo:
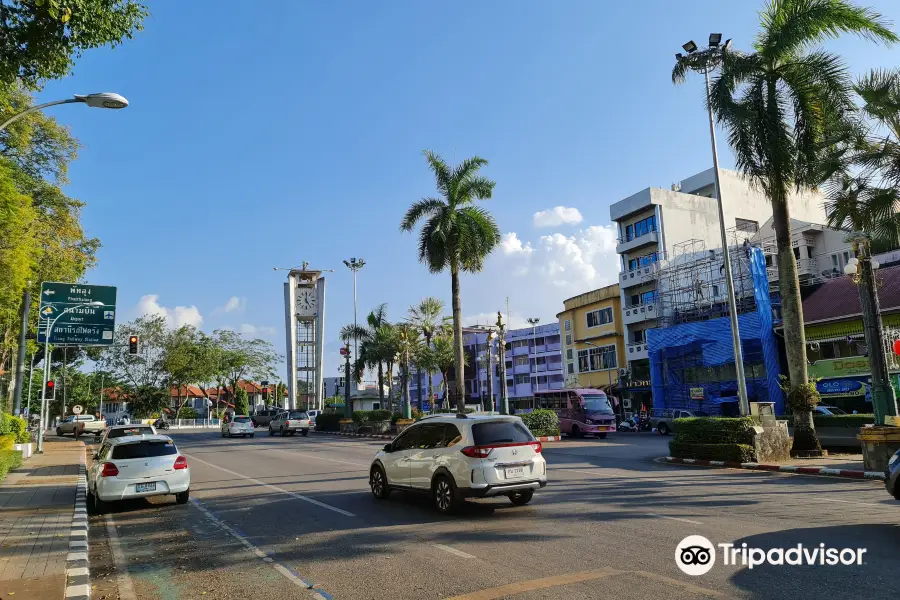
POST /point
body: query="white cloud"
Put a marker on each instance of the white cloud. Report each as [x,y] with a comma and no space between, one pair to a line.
[556,216]
[175,317]
[511,244]
[248,329]
[234,303]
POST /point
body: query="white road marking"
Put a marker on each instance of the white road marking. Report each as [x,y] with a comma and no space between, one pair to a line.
[126,589]
[294,578]
[674,519]
[313,456]
[275,488]
[826,499]
[459,553]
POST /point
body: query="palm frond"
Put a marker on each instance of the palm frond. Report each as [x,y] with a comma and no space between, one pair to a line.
[434,245]
[475,188]
[478,236]
[419,210]
[442,172]
[790,26]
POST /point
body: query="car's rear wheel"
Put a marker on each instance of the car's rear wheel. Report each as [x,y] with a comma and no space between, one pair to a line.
[663,429]
[271,431]
[446,496]
[601,436]
[59,431]
[305,432]
[97,506]
[282,431]
[183,497]
[576,432]
[378,483]
[521,498]
[223,434]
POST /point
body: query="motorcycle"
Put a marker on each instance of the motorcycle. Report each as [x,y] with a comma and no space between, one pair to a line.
[628,425]
[161,424]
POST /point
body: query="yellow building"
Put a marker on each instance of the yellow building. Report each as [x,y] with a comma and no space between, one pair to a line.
[592,335]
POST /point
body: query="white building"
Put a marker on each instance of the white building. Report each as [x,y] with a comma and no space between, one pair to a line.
[656,224]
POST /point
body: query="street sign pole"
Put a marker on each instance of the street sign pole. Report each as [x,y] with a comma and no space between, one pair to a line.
[41,426]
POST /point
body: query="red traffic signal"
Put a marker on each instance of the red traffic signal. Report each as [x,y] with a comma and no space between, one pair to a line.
[51,389]
[896,347]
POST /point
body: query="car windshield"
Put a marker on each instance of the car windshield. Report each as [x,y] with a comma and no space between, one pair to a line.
[597,403]
[298,415]
[148,449]
[500,432]
[129,431]
[242,419]
[834,410]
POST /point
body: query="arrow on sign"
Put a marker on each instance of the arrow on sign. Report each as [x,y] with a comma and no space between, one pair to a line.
[49,292]
[48,310]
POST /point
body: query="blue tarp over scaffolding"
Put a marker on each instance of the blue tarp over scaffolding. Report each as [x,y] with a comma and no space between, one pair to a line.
[700,355]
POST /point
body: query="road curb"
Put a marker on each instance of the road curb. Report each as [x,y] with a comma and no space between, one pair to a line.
[550,438]
[845,473]
[78,574]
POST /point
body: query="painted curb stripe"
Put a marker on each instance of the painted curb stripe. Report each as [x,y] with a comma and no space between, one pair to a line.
[78,574]
[847,473]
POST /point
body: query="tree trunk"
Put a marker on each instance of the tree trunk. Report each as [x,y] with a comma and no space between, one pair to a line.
[883,399]
[805,440]
[430,389]
[390,378]
[381,382]
[458,339]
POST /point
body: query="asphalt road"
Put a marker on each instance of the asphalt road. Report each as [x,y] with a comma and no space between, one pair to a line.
[293,518]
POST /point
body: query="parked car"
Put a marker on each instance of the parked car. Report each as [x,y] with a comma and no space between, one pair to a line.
[117,431]
[86,425]
[312,415]
[137,467]
[263,417]
[240,425]
[892,476]
[829,411]
[662,420]
[453,458]
[290,422]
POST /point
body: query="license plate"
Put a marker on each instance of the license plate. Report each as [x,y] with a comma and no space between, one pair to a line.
[145,487]
[515,472]
[602,428]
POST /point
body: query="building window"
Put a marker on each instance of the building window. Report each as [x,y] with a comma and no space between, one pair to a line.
[570,368]
[715,290]
[596,318]
[746,225]
[846,257]
[568,325]
[524,378]
[642,227]
[642,261]
[568,339]
[596,359]
[569,354]
[639,336]
[521,360]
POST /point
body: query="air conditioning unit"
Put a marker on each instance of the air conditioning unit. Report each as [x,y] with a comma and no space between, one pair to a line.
[626,403]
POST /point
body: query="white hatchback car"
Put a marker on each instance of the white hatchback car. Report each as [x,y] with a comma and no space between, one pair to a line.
[137,467]
[453,458]
[241,425]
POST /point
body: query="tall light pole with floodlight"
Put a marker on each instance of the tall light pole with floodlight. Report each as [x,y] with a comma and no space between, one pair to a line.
[704,61]
[534,386]
[355,264]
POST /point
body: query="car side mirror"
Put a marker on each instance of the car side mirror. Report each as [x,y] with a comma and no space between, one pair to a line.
[388,447]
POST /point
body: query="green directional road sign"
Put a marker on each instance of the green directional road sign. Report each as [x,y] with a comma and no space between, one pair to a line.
[81,325]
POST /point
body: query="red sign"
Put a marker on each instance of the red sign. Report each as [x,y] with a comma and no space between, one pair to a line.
[435,396]
[344,352]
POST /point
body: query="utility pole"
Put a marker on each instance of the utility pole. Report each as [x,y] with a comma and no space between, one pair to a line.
[355,264]
[501,350]
[490,370]
[348,403]
[534,386]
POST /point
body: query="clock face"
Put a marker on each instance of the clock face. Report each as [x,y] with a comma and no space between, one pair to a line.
[306,301]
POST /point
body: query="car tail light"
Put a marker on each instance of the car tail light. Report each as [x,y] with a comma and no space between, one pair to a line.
[536,446]
[476,451]
[181,463]
[109,470]
[287,423]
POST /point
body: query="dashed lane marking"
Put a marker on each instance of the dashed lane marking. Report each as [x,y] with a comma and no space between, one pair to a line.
[458,553]
[123,580]
[674,519]
[314,457]
[287,572]
[275,488]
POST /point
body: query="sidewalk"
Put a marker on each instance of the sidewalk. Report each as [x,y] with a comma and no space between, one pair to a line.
[842,465]
[37,502]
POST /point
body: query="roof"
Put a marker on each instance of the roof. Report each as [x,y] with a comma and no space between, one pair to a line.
[186,390]
[839,298]
[134,439]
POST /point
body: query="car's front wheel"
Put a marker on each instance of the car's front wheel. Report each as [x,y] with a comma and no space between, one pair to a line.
[663,429]
[446,496]
[271,431]
[521,498]
[378,483]
[183,497]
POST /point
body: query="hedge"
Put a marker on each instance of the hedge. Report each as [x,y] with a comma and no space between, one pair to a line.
[329,421]
[726,452]
[16,426]
[541,422]
[855,421]
[9,459]
[6,442]
[714,430]
[371,416]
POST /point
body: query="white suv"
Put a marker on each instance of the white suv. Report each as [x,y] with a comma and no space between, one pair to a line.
[453,458]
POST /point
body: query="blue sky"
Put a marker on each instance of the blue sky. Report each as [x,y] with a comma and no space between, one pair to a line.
[294,131]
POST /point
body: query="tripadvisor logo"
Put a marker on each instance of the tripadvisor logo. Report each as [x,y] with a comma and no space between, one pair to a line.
[696,555]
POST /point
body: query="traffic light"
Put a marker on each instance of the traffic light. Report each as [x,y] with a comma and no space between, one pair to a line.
[50,394]
[265,394]
[133,344]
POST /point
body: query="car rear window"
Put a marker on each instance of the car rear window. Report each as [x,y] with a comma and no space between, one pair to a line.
[242,419]
[500,432]
[114,433]
[298,415]
[149,449]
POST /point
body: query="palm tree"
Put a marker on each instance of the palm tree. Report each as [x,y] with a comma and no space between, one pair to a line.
[880,93]
[428,317]
[776,104]
[408,345]
[444,359]
[456,235]
[385,346]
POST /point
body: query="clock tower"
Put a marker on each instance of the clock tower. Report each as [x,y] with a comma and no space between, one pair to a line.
[304,320]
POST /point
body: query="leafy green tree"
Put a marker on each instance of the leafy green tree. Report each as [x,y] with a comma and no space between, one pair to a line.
[146,370]
[428,317]
[237,358]
[386,345]
[778,104]
[40,39]
[371,354]
[408,344]
[456,235]
[241,402]
[189,359]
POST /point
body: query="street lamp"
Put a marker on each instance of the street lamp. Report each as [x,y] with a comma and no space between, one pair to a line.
[704,61]
[534,387]
[50,325]
[102,100]
[355,264]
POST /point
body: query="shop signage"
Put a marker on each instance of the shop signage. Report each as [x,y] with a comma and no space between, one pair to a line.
[840,367]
